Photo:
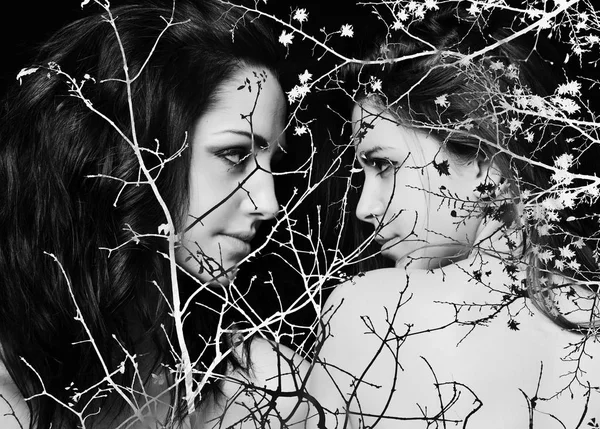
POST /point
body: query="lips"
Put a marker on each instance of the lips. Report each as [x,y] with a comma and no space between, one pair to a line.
[243,236]
[239,242]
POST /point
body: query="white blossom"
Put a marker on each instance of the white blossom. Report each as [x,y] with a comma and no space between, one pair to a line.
[545,255]
[305,77]
[420,12]
[474,9]
[566,252]
[375,84]
[442,100]
[300,15]
[412,6]
[431,4]
[593,39]
[574,265]
[567,199]
[514,124]
[497,65]
[297,92]
[300,130]
[347,30]
[566,104]
[529,137]
[286,38]
[562,177]
[402,15]
[564,162]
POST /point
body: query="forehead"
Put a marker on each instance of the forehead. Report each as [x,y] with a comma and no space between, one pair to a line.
[372,126]
[252,99]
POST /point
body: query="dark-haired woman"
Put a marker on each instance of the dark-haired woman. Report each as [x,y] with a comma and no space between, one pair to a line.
[489,318]
[97,177]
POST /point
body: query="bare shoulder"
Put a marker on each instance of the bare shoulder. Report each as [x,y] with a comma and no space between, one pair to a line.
[276,366]
[384,291]
[453,327]
[272,390]
[14,413]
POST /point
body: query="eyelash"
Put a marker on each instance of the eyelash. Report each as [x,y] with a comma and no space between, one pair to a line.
[240,152]
[382,165]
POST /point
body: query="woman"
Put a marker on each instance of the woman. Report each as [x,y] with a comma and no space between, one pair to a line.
[107,185]
[489,317]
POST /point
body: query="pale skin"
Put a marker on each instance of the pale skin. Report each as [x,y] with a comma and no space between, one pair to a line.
[226,150]
[393,334]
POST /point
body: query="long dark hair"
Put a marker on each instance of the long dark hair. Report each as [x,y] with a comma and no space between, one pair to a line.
[458,99]
[50,145]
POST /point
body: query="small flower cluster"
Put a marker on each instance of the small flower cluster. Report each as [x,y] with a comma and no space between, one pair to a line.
[299,91]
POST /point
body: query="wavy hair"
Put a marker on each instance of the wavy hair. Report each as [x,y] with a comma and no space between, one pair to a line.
[440,89]
[50,145]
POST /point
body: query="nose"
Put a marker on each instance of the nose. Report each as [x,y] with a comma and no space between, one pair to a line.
[260,200]
[370,206]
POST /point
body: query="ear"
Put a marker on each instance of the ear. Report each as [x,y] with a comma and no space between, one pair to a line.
[487,174]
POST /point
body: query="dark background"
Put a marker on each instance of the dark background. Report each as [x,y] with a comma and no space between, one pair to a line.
[28,23]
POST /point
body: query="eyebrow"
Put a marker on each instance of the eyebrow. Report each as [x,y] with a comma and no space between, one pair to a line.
[370,152]
[258,139]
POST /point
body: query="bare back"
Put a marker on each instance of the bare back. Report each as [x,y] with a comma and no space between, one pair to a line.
[423,347]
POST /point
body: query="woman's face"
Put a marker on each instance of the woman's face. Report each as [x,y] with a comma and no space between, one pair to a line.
[426,217]
[231,186]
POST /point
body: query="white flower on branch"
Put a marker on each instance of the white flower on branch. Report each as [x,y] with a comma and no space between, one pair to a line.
[564,162]
[300,15]
[512,71]
[566,104]
[566,252]
[514,125]
[297,92]
[431,4]
[578,243]
[402,15]
[474,9]
[562,177]
[545,255]
[567,199]
[574,265]
[347,30]
[529,137]
[305,77]
[551,204]
[442,100]
[497,65]
[593,39]
[286,38]
[375,84]
[300,130]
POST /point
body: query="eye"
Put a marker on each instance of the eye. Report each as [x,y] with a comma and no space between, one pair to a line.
[381,165]
[235,156]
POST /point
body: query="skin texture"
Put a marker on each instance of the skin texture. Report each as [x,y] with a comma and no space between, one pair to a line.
[223,156]
[403,192]
[427,342]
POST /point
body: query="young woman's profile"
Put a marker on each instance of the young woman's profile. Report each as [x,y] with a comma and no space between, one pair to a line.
[489,318]
[128,120]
